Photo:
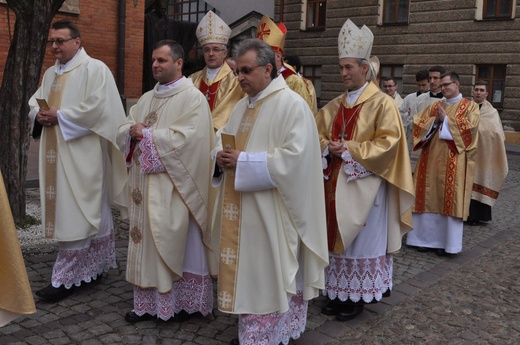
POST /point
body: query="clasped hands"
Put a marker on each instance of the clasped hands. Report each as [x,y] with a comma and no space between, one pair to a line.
[440,114]
[336,147]
[48,117]
[228,158]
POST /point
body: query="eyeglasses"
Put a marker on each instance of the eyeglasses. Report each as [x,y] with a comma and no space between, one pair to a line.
[387,86]
[245,70]
[447,84]
[214,50]
[59,41]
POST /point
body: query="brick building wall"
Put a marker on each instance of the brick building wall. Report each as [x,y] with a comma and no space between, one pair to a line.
[98,24]
[437,33]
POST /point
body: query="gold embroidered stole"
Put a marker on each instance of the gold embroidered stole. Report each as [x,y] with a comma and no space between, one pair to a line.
[51,157]
[230,230]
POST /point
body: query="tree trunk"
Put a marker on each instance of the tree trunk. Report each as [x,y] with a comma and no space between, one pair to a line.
[20,81]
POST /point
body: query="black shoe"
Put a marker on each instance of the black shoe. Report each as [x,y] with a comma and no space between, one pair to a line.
[331,308]
[423,249]
[442,252]
[234,342]
[182,316]
[52,294]
[349,312]
[132,317]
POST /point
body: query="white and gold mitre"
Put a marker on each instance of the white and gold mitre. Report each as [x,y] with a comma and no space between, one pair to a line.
[272,34]
[212,29]
[354,42]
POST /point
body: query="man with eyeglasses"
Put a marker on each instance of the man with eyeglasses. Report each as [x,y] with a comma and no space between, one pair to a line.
[491,162]
[390,88]
[82,173]
[167,140]
[274,35]
[447,134]
[435,93]
[272,231]
[367,179]
[216,81]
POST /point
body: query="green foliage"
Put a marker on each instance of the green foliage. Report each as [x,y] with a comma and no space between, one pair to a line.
[27,222]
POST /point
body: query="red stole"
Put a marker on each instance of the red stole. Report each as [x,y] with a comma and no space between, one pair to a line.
[287,72]
[210,92]
[342,129]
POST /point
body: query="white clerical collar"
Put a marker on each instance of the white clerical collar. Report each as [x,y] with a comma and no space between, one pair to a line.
[354,94]
[63,66]
[281,69]
[211,73]
[168,86]
[453,100]
[252,99]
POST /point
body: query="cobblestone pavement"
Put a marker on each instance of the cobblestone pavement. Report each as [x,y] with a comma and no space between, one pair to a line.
[470,299]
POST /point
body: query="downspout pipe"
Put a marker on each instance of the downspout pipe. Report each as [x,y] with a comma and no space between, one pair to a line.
[121,51]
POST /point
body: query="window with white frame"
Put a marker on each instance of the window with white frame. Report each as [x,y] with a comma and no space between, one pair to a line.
[495,9]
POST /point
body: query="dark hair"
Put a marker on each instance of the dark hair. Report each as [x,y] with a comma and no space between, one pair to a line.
[66,24]
[176,50]
[439,69]
[421,75]
[389,79]
[294,61]
[264,53]
[482,82]
[453,76]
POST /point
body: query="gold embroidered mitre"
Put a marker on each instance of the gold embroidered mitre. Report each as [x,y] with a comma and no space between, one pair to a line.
[272,34]
[354,42]
[212,29]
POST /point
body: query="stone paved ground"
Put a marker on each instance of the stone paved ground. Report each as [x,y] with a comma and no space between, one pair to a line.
[470,299]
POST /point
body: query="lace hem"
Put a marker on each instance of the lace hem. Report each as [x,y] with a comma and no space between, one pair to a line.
[193,293]
[352,168]
[274,328]
[84,265]
[364,279]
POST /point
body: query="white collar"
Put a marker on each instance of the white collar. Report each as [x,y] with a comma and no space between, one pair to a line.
[354,94]
[453,100]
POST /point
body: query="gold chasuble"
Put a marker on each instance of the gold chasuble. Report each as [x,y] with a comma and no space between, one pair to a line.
[15,291]
[491,160]
[230,231]
[374,136]
[222,93]
[298,85]
[444,173]
[51,154]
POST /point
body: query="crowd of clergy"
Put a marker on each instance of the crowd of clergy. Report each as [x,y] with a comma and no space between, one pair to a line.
[208,170]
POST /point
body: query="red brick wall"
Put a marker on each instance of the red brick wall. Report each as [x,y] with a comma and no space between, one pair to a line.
[98,24]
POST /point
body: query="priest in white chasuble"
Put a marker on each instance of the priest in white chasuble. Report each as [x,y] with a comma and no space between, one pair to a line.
[447,134]
[77,111]
[217,80]
[167,141]
[368,182]
[272,228]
